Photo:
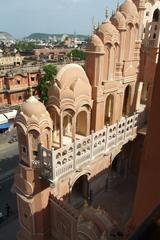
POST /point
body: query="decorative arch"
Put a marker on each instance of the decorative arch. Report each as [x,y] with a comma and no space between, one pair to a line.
[82,123]
[46,137]
[156,15]
[56,127]
[86,172]
[34,140]
[67,126]
[33,126]
[79,191]
[22,142]
[21,125]
[83,119]
[109,109]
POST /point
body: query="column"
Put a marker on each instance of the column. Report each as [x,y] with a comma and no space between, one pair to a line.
[61,130]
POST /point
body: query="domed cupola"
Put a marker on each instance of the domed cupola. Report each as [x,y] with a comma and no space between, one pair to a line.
[108,32]
[33,112]
[33,107]
[34,127]
[95,44]
[129,9]
[118,20]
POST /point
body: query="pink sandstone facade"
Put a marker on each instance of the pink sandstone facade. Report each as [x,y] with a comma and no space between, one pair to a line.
[92,117]
[16,84]
[147,198]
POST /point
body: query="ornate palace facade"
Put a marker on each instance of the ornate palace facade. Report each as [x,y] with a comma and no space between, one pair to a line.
[91,122]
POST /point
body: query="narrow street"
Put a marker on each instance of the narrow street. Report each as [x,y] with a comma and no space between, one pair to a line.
[8,164]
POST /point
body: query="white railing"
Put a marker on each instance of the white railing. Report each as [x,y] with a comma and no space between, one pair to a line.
[55,163]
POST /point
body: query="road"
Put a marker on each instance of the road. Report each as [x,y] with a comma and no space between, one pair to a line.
[8,157]
[8,163]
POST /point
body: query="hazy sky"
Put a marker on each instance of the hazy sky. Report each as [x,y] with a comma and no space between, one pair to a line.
[22,17]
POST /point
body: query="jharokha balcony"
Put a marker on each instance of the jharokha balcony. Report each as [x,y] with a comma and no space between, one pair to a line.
[55,163]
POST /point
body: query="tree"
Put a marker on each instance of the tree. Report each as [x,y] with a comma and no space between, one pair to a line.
[76,54]
[50,71]
[26,46]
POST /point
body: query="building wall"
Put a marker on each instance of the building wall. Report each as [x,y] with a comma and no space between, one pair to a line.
[147,195]
[15,90]
[150,49]
[11,60]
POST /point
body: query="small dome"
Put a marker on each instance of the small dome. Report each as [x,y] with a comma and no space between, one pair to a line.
[128,8]
[118,20]
[108,32]
[33,107]
[108,28]
[69,74]
[95,44]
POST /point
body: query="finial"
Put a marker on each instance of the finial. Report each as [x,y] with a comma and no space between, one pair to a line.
[94,28]
[106,13]
[98,24]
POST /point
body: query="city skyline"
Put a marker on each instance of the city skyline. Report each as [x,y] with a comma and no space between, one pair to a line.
[51,16]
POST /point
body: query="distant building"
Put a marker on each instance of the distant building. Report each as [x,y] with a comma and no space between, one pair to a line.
[16,83]
[12,60]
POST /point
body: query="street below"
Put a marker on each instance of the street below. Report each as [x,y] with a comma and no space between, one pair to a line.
[8,163]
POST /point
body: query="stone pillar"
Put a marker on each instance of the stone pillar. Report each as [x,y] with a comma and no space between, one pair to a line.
[139,93]
[122,45]
[74,128]
[61,130]
[98,109]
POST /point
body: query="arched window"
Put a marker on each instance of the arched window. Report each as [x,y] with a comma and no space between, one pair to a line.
[22,141]
[45,136]
[67,125]
[81,123]
[126,101]
[68,129]
[80,191]
[56,127]
[109,110]
[156,15]
[109,61]
[154,36]
[34,142]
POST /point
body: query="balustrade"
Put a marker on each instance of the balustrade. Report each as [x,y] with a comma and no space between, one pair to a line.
[55,163]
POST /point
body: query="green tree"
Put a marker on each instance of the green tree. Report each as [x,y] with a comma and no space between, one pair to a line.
[26,46]
[50,71]
[76,54]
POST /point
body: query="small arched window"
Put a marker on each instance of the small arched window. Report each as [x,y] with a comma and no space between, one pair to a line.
[154,36]
[109,109]
[156,15]
[126,101]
